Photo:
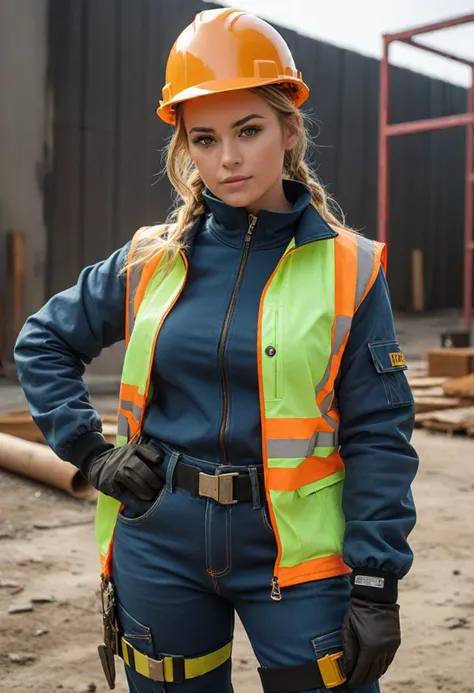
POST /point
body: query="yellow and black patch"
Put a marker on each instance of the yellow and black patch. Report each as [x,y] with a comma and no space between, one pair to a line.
[397,358]
[387,357]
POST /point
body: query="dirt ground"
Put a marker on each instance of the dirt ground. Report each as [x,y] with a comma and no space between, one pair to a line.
[57,568]
[57,640]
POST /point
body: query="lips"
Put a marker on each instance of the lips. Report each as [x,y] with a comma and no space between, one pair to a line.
[235,179]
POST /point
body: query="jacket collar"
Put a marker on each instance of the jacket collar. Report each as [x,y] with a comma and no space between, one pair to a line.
[303,221]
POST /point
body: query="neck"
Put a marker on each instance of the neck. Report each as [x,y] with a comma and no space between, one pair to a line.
[273,200]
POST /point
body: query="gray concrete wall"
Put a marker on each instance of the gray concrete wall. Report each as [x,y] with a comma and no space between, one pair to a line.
[23,132]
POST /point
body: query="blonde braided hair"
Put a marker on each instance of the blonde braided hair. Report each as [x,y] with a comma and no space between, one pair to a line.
[189,186]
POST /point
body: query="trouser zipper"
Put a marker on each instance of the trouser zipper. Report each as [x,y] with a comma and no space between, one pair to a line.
[225,332]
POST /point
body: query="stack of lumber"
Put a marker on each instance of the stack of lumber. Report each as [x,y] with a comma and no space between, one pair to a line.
[444,404]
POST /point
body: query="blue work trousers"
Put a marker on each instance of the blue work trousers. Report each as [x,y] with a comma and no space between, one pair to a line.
[183,567]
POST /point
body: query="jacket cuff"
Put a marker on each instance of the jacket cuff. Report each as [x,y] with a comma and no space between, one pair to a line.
[82,451]
[377,586]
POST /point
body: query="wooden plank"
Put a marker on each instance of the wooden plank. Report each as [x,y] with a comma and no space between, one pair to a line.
[418,297]
[453,362]
[427,392]
[426,404]
[460,387]
[451,421]
[425,382]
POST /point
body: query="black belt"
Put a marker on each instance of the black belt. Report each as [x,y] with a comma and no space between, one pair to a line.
[326,673]
[233,487]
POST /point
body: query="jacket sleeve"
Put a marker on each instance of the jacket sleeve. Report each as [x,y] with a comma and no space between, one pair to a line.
[57,342]
[377,417]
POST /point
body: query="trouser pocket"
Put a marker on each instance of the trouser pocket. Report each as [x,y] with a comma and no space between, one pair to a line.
[140,638]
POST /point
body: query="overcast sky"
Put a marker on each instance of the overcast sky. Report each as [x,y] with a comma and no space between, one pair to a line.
[359,25]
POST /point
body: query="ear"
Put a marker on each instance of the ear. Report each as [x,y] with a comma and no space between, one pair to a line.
[290,136]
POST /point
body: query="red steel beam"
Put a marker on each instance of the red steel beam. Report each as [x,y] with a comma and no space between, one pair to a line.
[383,163]
[430,124]
[465,119]
[427,28]
[469,212]
[443,54]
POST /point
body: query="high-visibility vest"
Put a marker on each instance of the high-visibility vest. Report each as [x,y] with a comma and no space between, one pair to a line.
[306,311]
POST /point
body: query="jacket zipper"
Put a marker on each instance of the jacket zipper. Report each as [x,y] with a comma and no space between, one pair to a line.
[225,332]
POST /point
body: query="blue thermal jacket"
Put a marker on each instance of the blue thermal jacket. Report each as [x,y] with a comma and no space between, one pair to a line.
[375,403]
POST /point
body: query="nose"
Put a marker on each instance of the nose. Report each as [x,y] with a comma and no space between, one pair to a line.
[231,156]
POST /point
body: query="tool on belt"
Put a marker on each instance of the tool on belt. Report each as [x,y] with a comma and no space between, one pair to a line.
[325,673]
[164,670]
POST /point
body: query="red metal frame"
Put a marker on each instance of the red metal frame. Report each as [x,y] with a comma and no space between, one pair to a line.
[387,130]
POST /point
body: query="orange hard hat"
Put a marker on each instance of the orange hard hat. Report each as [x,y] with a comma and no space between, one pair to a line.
[225,50]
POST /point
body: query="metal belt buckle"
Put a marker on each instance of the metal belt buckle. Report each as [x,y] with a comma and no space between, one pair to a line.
[156,668]
[220,487]
[331,670]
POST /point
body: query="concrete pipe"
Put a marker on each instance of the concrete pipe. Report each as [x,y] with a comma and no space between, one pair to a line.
[39,462]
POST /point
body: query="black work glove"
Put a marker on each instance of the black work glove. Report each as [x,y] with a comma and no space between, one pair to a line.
[132,467]
[371,630]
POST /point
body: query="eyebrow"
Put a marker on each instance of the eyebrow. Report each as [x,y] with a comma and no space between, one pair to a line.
[237,124]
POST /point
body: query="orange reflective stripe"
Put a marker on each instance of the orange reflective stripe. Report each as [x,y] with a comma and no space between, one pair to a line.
[129,392]
[345,273]
[311,470]
[317,569]
[345,292]
[147,273]
[288,429]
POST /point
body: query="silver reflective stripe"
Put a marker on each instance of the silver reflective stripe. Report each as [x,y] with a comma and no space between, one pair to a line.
[320,386]
[290,449]
[365,265]
[343,325]
[135,275]
[126,405]
[303,448]
[325,403]
[332,422]
[123,429]
[327,439]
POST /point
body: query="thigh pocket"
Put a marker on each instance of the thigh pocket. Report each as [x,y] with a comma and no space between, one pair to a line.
[137,512]
[140,638]
[328,644]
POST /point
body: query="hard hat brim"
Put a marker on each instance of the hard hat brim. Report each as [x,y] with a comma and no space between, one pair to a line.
[167,113]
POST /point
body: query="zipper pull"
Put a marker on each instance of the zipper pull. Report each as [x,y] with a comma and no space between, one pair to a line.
[252,223]
[276,593]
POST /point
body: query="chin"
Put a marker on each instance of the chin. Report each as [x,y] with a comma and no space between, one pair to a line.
[240,199]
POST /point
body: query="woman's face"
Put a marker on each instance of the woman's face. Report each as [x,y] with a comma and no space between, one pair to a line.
[238,145]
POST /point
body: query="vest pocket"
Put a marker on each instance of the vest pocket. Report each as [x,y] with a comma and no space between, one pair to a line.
[271,356]
[310,520]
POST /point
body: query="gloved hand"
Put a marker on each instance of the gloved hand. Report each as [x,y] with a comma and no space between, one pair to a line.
[371,631]
[133,467]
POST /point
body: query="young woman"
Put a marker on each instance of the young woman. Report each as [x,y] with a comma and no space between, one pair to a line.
[263,463]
